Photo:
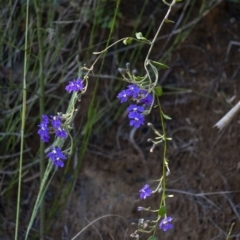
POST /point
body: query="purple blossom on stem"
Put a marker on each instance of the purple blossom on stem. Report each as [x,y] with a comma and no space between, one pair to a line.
[133,90]
[44,132]
[146,191]
[75,86]
[147,98]
[45,119]
[43,129]
[61,132]
[135,108]
[165,224]
[56,121]
[137,119]
[123,96]
[57,157]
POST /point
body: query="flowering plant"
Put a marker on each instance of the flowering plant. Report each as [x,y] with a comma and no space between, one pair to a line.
[142,91]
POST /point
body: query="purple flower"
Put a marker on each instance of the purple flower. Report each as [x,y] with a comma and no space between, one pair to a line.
[61,132]
[75,86]
[165,224]
[146,191]
[45,119]
[56,121]
[44,131]
[56,156]
[137,119]
[135,108]
[133,90]
[147,98]
[123,95]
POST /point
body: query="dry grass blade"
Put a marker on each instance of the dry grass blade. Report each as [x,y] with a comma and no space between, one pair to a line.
[223,122]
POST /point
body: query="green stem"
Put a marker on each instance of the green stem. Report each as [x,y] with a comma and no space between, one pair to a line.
[162,202]
[37,5]
[23,117]
[230,230]
[159,28]
[155,38]
[164,155]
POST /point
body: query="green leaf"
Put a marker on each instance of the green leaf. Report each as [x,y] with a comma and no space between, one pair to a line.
[162,211]
[140,36]
[152,238]
[166,116]
[161,65]
[138,78]
[127,41]
[158,91]
[168,21]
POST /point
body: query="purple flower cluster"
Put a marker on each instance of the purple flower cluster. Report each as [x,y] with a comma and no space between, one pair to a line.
[44,128]
[54,124]
[57,157]
[140,97]
[165,224]
[75,86]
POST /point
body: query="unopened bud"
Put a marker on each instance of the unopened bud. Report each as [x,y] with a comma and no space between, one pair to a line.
[140,208]
[150,124]
[134,72]
[122,70]
[152,148]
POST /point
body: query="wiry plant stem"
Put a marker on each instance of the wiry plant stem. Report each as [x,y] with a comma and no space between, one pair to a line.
[160,27]
[38,9]
[23,117]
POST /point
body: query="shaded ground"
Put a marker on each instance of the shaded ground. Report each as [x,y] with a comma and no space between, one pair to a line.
[204,163]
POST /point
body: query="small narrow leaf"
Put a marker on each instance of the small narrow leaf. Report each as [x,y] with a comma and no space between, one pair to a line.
[168,21]
[127,41]
[166,116]
[158,64]
[162,211]
[158,91]
[138,78]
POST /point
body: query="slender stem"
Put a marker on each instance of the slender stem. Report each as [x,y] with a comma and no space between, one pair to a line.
[230,230]
[146,62]
[23,117]
[37,5]
[164,155]
[163,179]
[105,49]
[11,43]
[159,28]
